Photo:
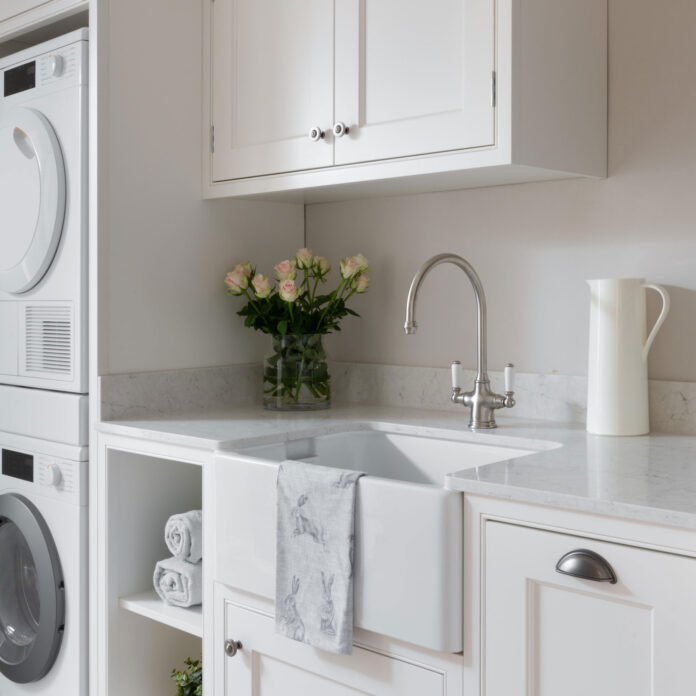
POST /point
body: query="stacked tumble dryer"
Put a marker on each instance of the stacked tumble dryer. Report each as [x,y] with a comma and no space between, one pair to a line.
[43,368]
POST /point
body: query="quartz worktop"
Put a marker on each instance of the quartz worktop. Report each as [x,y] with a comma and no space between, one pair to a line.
[650,478]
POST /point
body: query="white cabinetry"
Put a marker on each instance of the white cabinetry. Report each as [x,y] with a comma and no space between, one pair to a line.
[547,633]
[413,77]
[273,82]
[17,16]
[268,664]
[444,94]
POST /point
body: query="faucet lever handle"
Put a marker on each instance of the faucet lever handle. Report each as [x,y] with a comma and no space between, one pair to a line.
[456,375]
[509,378]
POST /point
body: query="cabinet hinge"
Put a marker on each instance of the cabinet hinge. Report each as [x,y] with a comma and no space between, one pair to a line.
[212,138]
[494,89]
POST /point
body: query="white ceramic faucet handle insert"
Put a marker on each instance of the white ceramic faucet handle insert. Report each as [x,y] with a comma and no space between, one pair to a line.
[456,375]
[666,304]
[509,377]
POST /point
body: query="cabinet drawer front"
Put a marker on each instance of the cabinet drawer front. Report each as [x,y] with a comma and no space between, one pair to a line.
[413,77]
[557,633]
[272,665]
[272,81]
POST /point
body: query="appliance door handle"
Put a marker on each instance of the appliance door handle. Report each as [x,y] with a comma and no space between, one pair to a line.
[587,565]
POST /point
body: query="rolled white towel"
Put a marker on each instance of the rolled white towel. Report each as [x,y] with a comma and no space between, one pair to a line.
[183,535]
[179,583]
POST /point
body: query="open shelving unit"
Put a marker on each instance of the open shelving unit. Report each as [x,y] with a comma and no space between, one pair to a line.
[149,605]
[147,638]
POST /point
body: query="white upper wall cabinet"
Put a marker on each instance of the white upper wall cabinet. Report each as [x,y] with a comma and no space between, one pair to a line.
[405,95]
[412,77]
[272,82]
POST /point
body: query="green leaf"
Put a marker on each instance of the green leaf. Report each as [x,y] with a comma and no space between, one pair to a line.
[282,327]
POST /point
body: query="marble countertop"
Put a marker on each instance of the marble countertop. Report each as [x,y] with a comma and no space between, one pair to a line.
[651,478]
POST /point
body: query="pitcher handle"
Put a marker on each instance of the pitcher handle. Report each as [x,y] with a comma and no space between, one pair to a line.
[660,320]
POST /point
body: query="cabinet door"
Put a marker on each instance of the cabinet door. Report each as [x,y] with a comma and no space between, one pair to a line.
[548,634]
[413,77]
[272,665]
[271,83]
[12,8]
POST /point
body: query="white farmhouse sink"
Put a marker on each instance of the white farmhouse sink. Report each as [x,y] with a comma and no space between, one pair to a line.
[408,565]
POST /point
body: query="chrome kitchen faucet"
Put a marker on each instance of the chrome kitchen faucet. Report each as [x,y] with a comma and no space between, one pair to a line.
[481,400]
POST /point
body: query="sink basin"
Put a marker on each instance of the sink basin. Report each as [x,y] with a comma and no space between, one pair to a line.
[408,556]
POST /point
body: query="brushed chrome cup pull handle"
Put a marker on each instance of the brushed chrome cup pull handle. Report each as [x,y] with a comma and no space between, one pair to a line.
[232,647]
[587,565]
[316,134]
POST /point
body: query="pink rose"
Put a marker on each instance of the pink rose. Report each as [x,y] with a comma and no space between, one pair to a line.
[236,282]
[351,266]
[362,262]
[361,283]
[262,286]
[322,264]
[285,270]
[244,268]
[289,291]
[304,258]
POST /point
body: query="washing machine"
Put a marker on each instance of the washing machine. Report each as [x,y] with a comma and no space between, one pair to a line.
[43,544]
[43,215]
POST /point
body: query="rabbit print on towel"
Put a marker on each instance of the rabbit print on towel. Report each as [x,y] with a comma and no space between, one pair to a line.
[290,618]
[314,555]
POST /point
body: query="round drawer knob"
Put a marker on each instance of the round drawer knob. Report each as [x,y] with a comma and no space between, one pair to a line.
[316,134]
[340,129]
[232,647]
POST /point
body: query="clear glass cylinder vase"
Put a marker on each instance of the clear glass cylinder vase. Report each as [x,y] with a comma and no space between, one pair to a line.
[296,374]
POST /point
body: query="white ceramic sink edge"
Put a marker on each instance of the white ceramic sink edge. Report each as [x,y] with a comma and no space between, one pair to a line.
[409,536]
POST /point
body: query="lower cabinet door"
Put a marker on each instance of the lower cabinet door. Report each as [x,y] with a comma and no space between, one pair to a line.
[547,634]
[268,664]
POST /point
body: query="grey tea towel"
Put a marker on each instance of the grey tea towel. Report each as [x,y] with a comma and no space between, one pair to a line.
[314,555]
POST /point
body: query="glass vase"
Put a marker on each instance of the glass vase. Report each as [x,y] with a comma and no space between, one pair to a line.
[296,374]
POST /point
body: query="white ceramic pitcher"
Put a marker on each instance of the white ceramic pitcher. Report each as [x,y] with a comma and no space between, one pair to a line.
[617,397]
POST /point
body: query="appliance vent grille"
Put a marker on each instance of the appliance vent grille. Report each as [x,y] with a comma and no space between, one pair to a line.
[49,339]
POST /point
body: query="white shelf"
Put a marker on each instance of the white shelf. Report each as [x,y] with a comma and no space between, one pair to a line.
[148,604]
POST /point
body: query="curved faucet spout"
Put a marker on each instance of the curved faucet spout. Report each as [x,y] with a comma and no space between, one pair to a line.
[410,327]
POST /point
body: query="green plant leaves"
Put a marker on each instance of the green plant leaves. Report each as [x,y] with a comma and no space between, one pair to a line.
[189,682]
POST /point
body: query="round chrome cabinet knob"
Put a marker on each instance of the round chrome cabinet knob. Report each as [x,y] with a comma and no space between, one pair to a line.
[316,134]
[340,129]
[232,647]
[56,65]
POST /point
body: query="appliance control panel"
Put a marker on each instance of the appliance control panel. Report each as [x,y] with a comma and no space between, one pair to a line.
[44,474]
[64,66]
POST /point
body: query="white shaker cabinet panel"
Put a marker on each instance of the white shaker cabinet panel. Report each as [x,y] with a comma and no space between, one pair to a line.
[268,664]
[548,634]
[272,82]
[413,77]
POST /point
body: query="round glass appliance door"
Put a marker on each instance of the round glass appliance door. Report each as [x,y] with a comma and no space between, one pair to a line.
[32,198]
[32,606]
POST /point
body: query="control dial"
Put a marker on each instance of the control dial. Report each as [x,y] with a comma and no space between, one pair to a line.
[53,476]
[56,65]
